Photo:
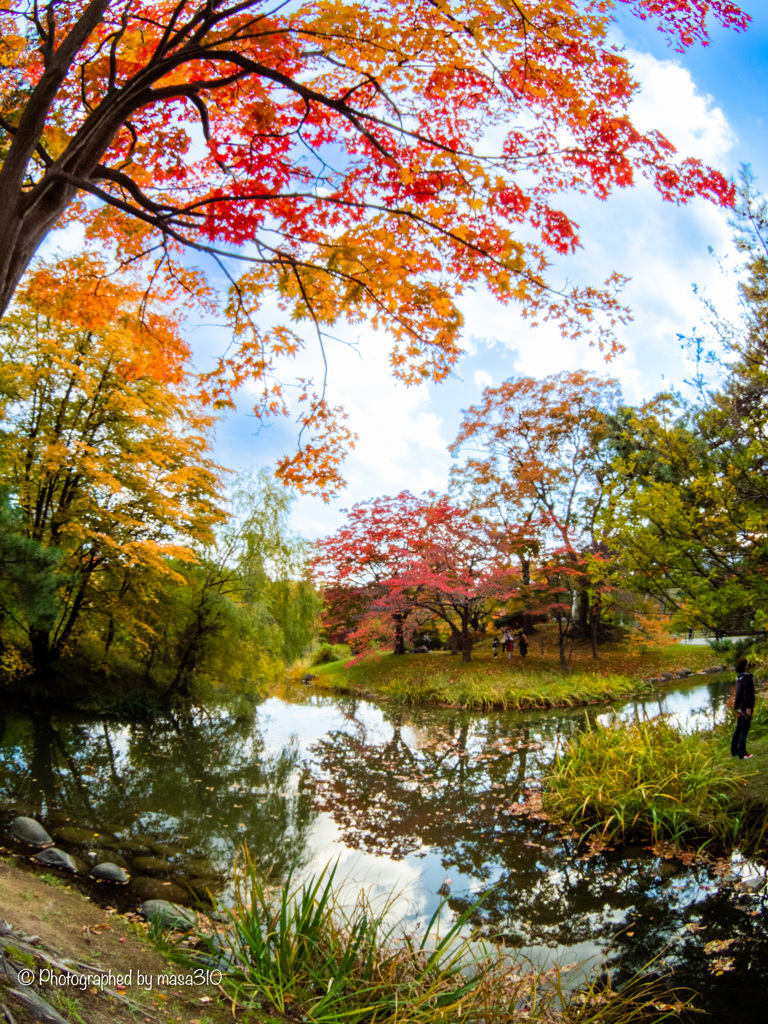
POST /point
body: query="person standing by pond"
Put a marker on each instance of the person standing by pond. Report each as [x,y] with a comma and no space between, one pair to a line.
[743,705]
[509,645]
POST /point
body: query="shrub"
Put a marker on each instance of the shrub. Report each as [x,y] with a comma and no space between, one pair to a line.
[331,652]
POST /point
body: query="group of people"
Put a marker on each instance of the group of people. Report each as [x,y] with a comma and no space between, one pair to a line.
[508,644]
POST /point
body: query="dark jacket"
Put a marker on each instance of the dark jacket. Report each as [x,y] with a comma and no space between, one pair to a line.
[744,701]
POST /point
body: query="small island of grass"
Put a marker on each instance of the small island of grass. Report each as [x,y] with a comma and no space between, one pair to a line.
[537,681]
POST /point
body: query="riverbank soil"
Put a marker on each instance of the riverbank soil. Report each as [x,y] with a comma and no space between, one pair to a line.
[77,929]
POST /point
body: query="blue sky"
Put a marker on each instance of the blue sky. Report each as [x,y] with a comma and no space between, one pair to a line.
[710,102]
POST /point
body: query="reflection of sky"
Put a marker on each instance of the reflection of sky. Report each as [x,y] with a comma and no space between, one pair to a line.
[692,707]
[283,724]
[416,878]
[563,907]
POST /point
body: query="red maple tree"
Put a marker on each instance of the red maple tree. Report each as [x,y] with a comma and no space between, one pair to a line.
[358,159]
[404,555]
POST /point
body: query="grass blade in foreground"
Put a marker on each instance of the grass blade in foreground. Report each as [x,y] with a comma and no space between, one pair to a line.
[294,952]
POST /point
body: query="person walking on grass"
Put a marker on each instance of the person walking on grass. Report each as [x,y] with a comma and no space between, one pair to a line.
[743,705]
[522,643]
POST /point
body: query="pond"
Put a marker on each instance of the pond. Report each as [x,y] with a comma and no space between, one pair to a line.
[425,802]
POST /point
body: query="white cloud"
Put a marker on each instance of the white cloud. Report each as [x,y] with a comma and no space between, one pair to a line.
[663,248]
[670,102]
[401,443]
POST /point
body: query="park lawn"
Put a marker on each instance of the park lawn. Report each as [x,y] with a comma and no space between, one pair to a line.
[533,682]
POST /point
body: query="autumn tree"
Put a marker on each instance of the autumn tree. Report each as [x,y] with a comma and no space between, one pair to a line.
[337,160]
[353,565]
[104,449]
[425,555]
[534,458]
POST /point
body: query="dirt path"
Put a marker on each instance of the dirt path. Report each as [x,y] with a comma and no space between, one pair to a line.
[70,926]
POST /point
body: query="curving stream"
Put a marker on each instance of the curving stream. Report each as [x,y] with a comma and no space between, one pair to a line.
[419,801]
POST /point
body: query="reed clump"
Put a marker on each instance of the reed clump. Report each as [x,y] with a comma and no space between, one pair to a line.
[295,953]
[649,781]
[477,692]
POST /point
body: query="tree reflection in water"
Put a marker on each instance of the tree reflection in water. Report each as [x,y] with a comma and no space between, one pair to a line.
[427,787]
[204,781]
[450,783]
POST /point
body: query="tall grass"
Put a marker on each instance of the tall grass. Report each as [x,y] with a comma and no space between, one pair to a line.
[296,953]
[478,691]
[648,780]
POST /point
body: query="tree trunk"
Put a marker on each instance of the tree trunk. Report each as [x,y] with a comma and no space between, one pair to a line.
[42,656]
[399,619]
[453,643]
[24,224]
[110,635]
[466,637]
[466,646]
[582,622]
[561,643]
[594,623]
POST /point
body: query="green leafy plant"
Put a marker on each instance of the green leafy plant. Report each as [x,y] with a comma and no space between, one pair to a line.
[296,950]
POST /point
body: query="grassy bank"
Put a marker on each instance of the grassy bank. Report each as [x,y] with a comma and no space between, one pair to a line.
[652,781]
[295,953]
[536,681]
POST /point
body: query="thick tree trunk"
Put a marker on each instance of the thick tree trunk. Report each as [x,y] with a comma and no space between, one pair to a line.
[466,647]
[26,217]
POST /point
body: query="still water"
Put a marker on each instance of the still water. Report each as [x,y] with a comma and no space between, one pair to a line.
[423,802]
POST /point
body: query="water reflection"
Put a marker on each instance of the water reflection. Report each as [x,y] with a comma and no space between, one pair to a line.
[426,800]
[203,782]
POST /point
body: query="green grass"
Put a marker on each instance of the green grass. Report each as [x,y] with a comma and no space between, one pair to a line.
[486,683]
[652,781]
[50,879]
[69,1006]
[294,952]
